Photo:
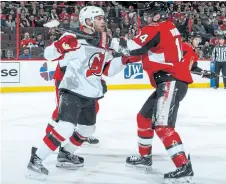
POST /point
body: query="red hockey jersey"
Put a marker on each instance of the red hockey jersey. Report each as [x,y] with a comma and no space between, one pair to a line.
[160,45]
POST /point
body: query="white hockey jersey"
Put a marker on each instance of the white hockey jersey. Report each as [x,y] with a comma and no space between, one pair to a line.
[84,68]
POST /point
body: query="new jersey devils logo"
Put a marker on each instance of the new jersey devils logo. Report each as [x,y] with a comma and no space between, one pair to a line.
[95,64]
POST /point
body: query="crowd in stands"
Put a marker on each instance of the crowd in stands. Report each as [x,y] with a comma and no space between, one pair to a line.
[207,18]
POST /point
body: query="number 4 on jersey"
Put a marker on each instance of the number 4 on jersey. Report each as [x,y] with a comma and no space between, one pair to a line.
[143,38]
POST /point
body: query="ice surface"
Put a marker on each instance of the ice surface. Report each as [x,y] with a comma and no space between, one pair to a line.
[201,124]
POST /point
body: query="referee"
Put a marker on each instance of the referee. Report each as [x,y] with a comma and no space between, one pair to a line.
[219,56]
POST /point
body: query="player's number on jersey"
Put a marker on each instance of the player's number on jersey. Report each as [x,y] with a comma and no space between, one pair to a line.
[143,38]
[178,49]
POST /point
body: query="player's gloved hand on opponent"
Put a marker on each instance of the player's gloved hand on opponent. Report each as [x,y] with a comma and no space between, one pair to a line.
[130,59]
[67,43]
[208,74]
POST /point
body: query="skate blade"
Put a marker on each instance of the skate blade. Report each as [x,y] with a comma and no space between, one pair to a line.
[70,166]
[88,145]
[188,179]
[139,167]
[35,176]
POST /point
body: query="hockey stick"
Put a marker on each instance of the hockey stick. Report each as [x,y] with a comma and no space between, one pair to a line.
[199,73]
[79,34]
[56,23]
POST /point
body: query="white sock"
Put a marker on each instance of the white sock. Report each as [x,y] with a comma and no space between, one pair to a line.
[70,147]
[43,152]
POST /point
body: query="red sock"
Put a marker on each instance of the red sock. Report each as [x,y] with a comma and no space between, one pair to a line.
[173,145]
[145,135]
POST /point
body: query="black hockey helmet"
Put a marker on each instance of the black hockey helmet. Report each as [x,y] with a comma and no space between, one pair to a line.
[193,35]
[157,7]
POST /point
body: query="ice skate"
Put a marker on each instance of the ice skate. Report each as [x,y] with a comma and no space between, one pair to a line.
[35,168]
[91,142]
[69,161]
[33,150]
[141,162]
[182,175]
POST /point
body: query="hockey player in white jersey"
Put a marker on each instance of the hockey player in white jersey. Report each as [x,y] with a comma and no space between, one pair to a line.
[83,64]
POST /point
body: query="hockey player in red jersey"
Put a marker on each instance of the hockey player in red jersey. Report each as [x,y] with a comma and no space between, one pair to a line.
[83,63]
[159,46]
[190,56]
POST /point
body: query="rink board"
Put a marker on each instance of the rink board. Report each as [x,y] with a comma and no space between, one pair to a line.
[36,76]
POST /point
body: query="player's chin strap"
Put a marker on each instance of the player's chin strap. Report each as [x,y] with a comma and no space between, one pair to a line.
[213,75]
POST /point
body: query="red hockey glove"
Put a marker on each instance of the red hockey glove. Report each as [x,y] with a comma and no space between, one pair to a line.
[67,43]
[130,59]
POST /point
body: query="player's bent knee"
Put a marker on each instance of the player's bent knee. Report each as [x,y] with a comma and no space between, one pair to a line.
[65,129]
[85,131]
[143,123]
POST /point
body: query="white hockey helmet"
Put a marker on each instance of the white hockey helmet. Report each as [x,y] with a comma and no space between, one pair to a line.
[89,12]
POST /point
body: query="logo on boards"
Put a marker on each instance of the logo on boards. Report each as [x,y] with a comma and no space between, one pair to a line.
[133,71]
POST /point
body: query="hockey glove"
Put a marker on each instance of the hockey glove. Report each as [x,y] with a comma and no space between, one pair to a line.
[130,59]
[66,44]
[208,74]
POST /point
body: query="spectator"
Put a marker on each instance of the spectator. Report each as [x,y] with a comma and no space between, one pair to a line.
[123,12]
[132,13]
[214,40]
[42,21]
[22,7]
[144,19]
[199,28]
[9,54]
[12,12]
[222,16]
[10,22]
[223,26]
[65,24]
[219,31]
[206,49]
[23,21]
[27,41]
[26,54]
[33,23]
[3,54]
[41,13]
[117,33]
[74,23]
[76,11]
[39,41]
[53,15]
[52,38]
[3,7]
[64,15]
[109,33]
[125,23]
[215,25]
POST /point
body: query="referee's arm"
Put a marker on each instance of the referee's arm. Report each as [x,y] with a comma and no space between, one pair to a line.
[214,54]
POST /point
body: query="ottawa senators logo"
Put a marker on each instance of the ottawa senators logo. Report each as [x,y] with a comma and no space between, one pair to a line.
[95,64]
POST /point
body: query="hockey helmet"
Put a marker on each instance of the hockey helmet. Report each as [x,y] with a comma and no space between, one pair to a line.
[157,7]
[194,35]
[89,12]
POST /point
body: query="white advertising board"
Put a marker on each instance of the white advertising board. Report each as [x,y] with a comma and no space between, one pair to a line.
[39,74]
